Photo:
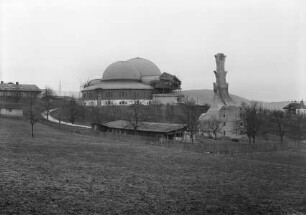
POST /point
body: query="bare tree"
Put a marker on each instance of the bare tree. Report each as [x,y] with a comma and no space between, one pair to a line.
[154,112]
[32,114]
[170,112]
[215,128]
[60,111]
[47,97]
[73,110]
[280,124]
[190,115]
[136,115]
[95,114]
[297,128]
[253,119]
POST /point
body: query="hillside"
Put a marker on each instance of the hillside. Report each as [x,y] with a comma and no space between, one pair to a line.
[205,96]
[63,173]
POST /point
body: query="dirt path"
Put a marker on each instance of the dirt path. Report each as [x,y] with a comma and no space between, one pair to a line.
[52,119]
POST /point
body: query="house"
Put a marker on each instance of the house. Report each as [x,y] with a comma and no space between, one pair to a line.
[14,92]
[148,129]
[295,108]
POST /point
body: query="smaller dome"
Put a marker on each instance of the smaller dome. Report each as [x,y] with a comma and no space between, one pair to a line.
[145,67]
[121,70]
[93,82]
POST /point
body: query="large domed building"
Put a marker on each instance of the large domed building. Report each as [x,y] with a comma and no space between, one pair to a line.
[125,82]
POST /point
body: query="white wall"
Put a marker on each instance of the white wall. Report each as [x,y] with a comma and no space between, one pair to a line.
[11,112]
[121,102]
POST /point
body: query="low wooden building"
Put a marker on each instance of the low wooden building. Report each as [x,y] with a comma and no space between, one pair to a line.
[148,129]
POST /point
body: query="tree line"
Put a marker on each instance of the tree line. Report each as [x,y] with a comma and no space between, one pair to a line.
[255,121]
[260,122]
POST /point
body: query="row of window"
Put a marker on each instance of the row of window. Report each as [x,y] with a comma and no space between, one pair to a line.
[116,95]
[12,93]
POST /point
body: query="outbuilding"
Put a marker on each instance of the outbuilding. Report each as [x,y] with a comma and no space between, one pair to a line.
[148,129]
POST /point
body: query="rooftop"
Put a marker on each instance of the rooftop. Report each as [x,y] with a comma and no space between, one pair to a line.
[146,126]
[20,87]
[295,105]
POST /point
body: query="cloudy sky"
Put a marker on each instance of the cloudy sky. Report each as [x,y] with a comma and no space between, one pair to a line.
[48,41]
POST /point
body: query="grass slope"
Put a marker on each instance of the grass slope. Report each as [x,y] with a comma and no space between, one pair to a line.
[64,173]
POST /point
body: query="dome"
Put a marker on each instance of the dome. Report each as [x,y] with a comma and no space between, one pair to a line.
[121,70]
[145,67]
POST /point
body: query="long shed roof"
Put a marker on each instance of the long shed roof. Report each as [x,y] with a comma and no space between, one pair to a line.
[146,126]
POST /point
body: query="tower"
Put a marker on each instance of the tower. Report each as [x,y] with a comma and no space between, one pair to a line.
[220,86]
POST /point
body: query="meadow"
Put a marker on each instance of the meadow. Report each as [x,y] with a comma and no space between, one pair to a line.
[59,172]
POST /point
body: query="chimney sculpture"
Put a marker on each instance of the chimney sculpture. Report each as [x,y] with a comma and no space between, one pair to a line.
[220,86]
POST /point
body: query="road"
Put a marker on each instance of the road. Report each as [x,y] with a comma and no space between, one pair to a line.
[52,119]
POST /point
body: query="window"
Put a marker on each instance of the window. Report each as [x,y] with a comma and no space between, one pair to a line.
[123,94]
[108,102]
[224,133]
[224,123]
[109,94]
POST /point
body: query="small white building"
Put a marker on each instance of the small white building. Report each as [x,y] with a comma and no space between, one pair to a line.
[168,98]
[14,110]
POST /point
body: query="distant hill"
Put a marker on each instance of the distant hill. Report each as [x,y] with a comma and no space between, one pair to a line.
[205,96]
[275,105]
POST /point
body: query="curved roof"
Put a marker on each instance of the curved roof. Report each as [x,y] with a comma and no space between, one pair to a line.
[145,67]
[133,69]
[121,70]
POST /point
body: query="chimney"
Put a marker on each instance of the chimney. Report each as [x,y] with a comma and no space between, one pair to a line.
[17,83]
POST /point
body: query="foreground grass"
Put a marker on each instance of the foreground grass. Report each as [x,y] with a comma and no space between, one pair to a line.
[63,173]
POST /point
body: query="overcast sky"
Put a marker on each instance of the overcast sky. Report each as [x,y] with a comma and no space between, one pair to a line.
[44,42]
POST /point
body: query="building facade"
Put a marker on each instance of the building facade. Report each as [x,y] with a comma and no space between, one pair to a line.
[125,82]
[12,96]
[14,92]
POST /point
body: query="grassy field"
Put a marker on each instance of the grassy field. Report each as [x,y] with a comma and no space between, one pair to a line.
[66,173]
